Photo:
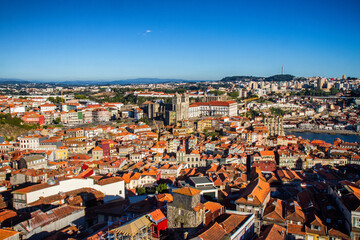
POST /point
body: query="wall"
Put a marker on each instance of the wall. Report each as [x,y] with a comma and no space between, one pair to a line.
[73,184]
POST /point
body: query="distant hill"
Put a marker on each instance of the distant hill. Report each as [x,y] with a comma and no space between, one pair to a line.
[98,82]
[283,77]
[121,82]
[12,81]
[241,78]
[275,78]
[280,78]
[150,81]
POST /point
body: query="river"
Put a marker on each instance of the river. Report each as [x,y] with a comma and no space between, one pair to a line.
[327,137]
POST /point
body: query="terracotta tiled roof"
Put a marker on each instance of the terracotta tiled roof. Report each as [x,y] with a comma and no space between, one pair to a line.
[188,191]
[214,232]
[296,229]
[157,215]
[7,233]
[232,222]
[97,148]
[40,219]
[164,197]
[32,188]
[6,214]
[267,153]
[212,206]
[274,211]
[273,232]
[336,233]
[109,180]
[255,193]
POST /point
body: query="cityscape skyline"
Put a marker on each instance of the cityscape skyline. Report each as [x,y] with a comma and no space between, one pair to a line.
[199,41]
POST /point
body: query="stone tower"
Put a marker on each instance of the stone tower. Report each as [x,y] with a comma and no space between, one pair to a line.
[180,105]
[186,210]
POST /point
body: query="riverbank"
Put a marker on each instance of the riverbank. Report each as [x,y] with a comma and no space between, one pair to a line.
[327,137]
[333,132]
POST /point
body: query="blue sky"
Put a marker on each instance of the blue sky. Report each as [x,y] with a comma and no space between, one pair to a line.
[109,40]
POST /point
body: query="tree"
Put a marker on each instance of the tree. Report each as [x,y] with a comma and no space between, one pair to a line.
[162,188]
[57,120]
[80,96]
[217,92]
[140,191]
[334,91]
[277,111]
[145,120]
[56,100]
[150,190]
[253,113]
[234,94]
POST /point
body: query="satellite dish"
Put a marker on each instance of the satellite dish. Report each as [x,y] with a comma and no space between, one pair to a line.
[51,181]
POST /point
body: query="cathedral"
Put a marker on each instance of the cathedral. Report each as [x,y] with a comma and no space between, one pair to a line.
[173,112]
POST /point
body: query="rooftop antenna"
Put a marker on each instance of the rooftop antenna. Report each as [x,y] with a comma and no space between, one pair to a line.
[282,70]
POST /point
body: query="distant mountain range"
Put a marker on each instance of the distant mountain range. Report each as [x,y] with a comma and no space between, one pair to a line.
[12,81]
[9,81]
[6,81]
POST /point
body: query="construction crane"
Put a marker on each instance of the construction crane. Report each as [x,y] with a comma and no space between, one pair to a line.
[157,140]
[307,159]
[248,100]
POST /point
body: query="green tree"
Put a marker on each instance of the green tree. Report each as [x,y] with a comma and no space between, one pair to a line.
[145,120]
[217,92]
[140,190]
[56,100]
[277,111]
[162,188]
[334,91]
[51,99]
[234,94]
[80,96]
[57,120]
[253,113]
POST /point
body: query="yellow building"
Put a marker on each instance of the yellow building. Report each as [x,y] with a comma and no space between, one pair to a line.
[249,137]
[61,153]
[208,123]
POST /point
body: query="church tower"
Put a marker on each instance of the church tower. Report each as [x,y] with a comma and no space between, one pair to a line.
[180,105]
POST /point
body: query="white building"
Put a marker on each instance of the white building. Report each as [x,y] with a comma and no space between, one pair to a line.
[214,108]
[17,108]
[31,142]
[47,107]
[113,188]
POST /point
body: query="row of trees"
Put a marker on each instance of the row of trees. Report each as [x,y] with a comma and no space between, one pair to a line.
[316,92]
[161,188]
[277,111]
[56,100]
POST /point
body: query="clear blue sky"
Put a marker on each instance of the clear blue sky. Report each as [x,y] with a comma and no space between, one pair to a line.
[103,39]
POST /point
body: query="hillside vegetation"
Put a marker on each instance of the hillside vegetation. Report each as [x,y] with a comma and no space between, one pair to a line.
[11,127]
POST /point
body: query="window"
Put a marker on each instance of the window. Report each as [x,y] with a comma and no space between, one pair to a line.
[356,222]
[314,227]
